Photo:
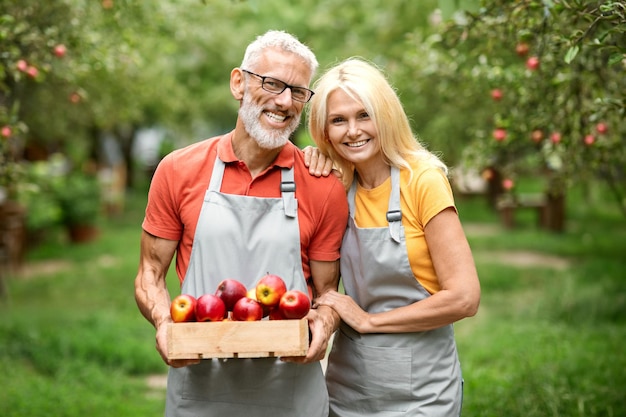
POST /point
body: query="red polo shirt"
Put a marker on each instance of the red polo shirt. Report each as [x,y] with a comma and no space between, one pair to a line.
[181,179]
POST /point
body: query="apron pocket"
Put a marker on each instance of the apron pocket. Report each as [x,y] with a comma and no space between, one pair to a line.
[263,382]
[368,377]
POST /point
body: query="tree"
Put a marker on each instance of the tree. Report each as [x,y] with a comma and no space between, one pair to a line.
[558,67]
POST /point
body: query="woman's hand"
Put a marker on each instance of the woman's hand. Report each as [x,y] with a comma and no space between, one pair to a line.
[348,310]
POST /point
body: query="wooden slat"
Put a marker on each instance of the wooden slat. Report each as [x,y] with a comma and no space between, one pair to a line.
[238,339]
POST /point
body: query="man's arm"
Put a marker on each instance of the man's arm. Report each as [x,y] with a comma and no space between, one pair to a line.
[151,293]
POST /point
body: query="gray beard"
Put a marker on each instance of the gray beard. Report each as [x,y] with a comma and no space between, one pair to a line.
[265,138]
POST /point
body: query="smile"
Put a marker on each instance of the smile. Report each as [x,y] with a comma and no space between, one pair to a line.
[357,144]
[275,117]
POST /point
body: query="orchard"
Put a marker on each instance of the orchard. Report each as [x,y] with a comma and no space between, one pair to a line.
[537,89]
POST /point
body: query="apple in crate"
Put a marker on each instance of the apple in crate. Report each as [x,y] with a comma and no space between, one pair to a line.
[294,304]
[183,308]
[247,309]
[276,314]
[270,289]
[209,307]
[230,291]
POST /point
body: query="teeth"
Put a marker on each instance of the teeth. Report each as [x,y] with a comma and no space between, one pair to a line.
[276,117]
[357,144]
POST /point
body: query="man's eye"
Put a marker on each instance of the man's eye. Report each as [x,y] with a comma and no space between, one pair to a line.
[275,84]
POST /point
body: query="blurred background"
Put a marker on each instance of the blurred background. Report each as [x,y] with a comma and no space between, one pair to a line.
[524,100]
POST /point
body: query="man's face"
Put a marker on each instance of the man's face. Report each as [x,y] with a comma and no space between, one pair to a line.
[267,117]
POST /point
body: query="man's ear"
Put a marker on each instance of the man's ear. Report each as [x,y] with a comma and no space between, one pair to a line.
[237,83]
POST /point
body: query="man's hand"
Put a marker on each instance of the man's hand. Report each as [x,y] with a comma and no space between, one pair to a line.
[161,346]
[323,322]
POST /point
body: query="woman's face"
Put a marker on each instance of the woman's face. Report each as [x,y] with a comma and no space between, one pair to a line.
[351,131]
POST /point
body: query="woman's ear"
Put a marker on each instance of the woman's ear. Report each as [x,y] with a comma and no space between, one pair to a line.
[237,83]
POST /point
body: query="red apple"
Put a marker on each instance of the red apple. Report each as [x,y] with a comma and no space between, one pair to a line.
[555,137]
[536,135]
[183,308]
[230,291]
[507,183]
[276,314]
[269,289]
[499,134]
[6,131]
[210,307]
[522,49]
[75,98]
[22,65]
[532,63]
[60,50]
[589,140]
[602,128]
[32,72]
[496,94]
[247,309]
[294,304]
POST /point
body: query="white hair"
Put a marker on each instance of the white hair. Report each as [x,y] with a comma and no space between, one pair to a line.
[283,41]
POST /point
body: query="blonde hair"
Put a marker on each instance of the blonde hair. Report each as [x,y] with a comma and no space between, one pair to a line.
[367,84]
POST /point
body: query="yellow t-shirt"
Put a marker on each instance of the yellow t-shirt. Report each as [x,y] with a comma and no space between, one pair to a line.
[427,195]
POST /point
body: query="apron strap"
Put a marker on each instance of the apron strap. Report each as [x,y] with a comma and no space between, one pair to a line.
[216,176]
[288,191]
[287,186]
[394,214]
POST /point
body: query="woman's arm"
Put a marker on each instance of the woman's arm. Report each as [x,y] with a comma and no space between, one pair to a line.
[458,298]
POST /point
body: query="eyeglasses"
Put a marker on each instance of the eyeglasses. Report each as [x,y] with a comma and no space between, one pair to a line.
[275,86]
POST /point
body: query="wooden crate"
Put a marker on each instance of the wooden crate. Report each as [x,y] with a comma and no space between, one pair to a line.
[238,339]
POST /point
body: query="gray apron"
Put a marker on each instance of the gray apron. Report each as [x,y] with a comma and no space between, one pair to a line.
[245,237]
[405,374]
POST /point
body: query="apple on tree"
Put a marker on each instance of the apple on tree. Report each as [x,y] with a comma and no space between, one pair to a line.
[6,131]
[522,49]
[589,140]
[60,50]
[602,128]
[532,63]
[536,135]
[230,291]
[22,65]
[209,307]
[294,304]
[270,289]
[496,94]
[499,134]
[183,308]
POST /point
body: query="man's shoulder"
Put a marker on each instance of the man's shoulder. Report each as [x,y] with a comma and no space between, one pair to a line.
[192,155]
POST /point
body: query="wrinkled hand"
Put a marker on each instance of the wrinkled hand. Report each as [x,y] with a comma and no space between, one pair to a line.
[318,163]
[322,323]
[347,308]
[161,346]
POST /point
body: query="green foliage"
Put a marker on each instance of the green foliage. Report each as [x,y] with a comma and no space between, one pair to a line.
[54,195]
[547,340]
[79,197]
[572,103]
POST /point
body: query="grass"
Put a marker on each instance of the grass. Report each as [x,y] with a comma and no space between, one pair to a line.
[547,341]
